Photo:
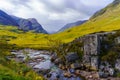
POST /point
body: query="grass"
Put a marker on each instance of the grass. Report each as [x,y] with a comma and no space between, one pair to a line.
[11,70]
[107,19]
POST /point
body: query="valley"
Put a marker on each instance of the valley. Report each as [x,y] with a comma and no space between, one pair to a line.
[82,50]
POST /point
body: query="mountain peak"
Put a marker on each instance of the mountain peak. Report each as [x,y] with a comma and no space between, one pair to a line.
[33,20]
[23,24]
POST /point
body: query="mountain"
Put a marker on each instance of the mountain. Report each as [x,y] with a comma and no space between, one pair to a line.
[29,24]
[105,20]
[5,19]
[69,25]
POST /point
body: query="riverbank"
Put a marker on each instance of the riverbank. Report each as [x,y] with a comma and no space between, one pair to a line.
[93,75]
[40,62]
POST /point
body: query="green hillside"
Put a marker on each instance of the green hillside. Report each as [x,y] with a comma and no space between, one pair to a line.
[107,19]
[12,70]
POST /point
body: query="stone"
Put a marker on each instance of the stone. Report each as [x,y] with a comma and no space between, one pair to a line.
[111,71]
[91,49]
[72,57]
[117,64]
[117,40]
[67,74]
[94,62]
[57,61]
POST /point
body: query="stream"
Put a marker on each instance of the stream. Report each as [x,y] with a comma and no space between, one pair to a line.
[41,63]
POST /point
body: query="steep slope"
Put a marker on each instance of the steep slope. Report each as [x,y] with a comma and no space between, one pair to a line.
[69,25]
[36,26]
[29,24]
[5,19]
[23,24]
[107,19]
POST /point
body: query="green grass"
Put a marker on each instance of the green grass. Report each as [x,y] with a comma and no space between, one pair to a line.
[12,70]
[107,19]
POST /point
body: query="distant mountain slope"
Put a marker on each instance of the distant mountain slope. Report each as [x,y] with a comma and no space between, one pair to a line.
[5,19]
[29,24]
[107,19]
[69,25]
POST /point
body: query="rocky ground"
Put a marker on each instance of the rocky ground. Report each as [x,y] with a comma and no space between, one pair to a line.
[59,71]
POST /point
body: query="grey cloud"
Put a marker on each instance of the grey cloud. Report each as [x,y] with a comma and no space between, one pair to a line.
[53,14]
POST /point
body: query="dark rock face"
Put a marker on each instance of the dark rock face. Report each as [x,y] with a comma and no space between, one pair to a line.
[71,25]
[71,57]
[29,24]
[6,19]
[92,48]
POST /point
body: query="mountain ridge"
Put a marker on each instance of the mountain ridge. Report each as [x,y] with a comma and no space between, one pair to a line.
[5,19]
[69,25]
[105,22]
[30,24]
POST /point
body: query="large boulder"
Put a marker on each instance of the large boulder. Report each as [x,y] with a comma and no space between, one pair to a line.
[72,57]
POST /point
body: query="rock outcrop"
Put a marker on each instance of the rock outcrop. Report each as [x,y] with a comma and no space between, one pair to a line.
[30,24]
[91,50]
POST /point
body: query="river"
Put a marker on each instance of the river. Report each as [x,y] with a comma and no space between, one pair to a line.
[40,61]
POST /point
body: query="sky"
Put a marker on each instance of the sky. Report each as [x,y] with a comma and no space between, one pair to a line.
[53,14]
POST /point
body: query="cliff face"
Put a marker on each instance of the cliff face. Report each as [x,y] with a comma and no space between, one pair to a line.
[101,52]
[91,50]
[29,24]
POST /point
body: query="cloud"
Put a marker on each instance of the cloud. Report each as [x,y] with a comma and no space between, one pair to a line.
[53,14]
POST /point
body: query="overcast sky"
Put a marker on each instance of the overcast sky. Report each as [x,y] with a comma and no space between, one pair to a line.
[53,14]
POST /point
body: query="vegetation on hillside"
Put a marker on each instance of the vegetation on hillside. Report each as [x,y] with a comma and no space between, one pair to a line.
[11,70]
[62,49]
[105,20]
[110,48]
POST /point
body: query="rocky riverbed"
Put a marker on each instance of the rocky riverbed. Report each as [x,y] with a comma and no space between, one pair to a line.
[40,61]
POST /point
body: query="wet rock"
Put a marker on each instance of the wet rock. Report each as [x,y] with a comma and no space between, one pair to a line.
[57,61]
[67,74]
[117,64]
[106,70]
[38,59]
[43,71]
[72,57]
[77,72]
[111,71]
